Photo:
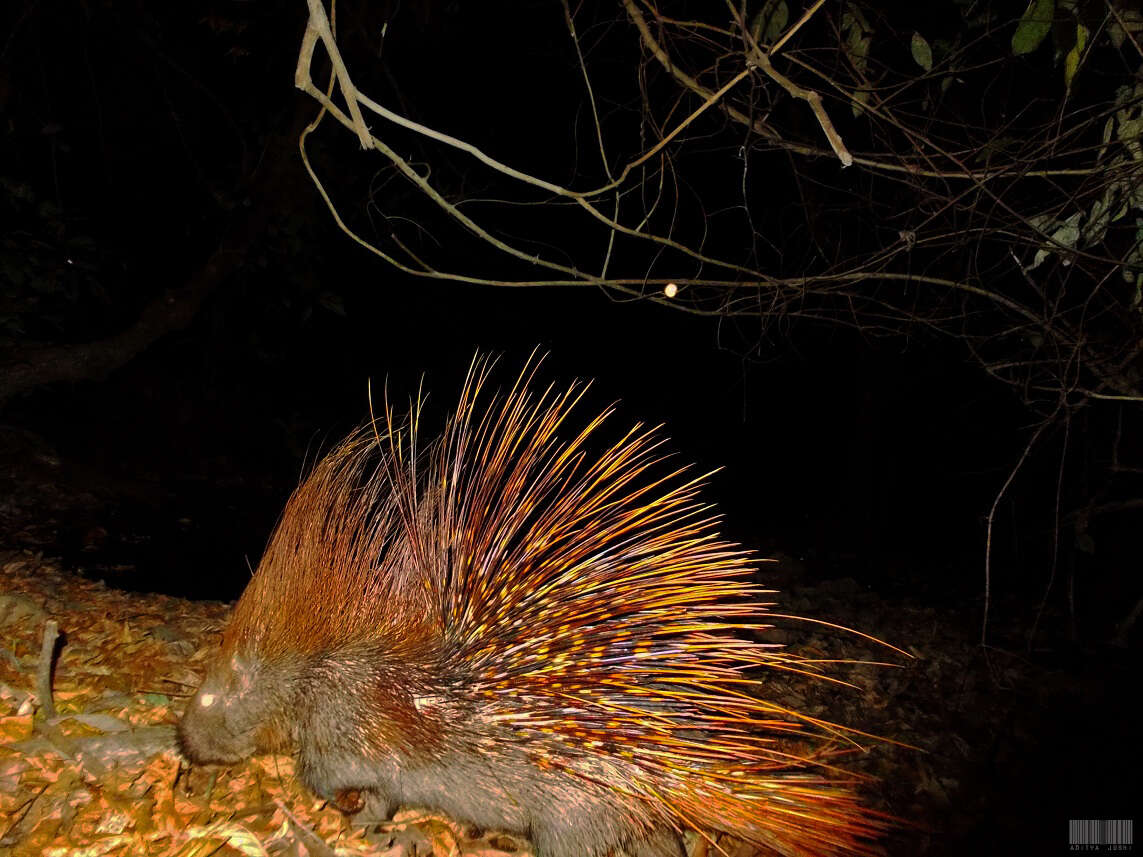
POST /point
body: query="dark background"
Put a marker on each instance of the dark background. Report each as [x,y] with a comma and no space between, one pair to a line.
[140,137]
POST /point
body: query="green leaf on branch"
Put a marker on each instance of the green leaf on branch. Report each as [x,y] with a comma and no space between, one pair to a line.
[922,53]
[1034,26]
[1072,60]
[770,22]
[1065,234]
[858,37]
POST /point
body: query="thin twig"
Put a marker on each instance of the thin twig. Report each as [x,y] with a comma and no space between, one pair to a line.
[44,669]
[758,57]
[319,22]
[991,518]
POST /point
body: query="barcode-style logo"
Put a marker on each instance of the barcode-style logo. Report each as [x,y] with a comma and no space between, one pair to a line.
[1101,834]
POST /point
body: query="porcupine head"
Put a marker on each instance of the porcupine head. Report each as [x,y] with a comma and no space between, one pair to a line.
[525,628]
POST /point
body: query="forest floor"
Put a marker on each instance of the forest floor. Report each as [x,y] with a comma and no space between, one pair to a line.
[982,749]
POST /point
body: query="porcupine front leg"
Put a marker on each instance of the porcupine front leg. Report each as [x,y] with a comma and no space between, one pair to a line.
[365,804]
[368,805]
[663,843]
[342,781]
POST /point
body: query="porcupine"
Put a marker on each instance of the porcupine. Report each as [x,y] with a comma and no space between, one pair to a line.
[526,630]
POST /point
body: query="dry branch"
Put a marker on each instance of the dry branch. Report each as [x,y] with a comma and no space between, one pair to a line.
[884,291]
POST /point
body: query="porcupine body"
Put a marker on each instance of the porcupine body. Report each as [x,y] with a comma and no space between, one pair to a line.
[525,632]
